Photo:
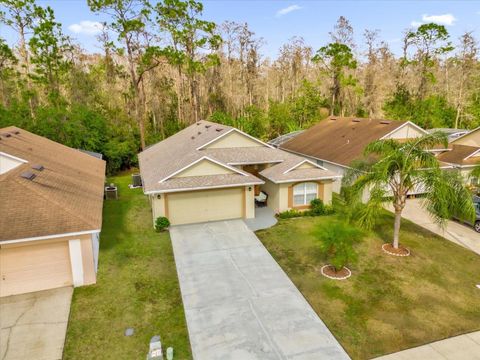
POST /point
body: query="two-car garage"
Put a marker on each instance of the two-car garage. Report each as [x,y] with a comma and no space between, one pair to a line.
[204,205]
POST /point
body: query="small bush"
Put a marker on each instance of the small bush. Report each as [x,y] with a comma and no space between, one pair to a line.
[337,241]
[317,207]
[161,223]
[290,214]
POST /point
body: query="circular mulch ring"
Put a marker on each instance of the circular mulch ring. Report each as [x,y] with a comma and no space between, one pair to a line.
[390,250]
[329,272]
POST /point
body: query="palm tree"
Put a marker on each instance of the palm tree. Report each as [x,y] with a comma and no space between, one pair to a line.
[394,169]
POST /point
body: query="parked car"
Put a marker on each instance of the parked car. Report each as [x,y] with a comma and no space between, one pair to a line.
[476,224]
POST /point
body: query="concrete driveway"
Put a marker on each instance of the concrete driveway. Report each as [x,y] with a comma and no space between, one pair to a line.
[461,234]
[239,303]
[33,326]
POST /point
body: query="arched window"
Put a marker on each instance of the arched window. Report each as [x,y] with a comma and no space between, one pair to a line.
[303,193]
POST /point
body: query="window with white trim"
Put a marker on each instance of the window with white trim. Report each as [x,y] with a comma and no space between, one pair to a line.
[304,193]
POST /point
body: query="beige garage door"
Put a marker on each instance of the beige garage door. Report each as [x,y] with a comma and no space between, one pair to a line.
[34,267]
[201,206]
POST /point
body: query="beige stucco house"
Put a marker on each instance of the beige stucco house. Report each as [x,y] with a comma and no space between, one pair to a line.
[50,213]
[334,143]
[463,154]
[210,172]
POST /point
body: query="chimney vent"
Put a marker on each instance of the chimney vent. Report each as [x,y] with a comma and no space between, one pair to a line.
[28,175]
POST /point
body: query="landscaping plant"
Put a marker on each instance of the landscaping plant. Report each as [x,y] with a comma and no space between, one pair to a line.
[337,240]
[394,169]
[161,223]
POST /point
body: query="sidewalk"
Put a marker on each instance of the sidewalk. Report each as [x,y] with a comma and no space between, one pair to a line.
[463,347]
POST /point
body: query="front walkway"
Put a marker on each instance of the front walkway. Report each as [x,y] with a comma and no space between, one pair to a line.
[460,234]
[264,218]
[239,303]
[463,347]
[33,326]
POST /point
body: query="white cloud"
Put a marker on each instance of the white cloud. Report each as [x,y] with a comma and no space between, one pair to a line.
[444,19]
[415,24]
[287,10]
[86,27]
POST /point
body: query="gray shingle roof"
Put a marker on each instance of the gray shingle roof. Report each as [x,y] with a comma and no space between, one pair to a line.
[181,150]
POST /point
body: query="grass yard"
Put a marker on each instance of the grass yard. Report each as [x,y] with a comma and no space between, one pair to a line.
[389,303]
[136,287]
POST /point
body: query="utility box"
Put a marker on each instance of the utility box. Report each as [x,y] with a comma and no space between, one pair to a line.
[136,180]
[155,351]
[111,192]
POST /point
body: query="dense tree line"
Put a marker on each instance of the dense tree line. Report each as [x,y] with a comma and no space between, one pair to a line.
[163,66]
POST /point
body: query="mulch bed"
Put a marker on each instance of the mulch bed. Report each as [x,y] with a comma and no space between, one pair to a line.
[329,272]
[390,250]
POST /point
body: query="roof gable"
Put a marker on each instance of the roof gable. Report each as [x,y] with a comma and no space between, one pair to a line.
[204,166]
[471,138]
[408,130]
[9,162]
[233,138]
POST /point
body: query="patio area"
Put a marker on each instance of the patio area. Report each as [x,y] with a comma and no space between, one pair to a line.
[264,218]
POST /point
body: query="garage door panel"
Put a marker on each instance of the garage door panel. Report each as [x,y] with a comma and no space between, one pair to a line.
[34,268]
[203,206]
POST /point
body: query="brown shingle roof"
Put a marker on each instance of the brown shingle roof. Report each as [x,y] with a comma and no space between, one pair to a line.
[340,140]
[180,150]
[66,197]
[458,153]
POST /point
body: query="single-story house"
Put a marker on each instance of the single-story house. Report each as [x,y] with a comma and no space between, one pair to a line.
[463,153]
[210,172]
[51,213]
[334,143]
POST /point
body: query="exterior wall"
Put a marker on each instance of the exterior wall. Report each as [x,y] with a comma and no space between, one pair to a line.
[325,192]
[471,139]
[158,205]
[272,190]
[7,163]
[340,170]
[88,262]
[249,198]
[407,131]
[204,167]
[306,166]
[234,140]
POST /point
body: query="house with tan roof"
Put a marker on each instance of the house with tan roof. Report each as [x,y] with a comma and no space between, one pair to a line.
[334,143]
[210,172]
[463,153]
[50,213]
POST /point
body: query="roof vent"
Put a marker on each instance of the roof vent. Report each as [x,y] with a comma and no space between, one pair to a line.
[218,129]
[207,126]
[385,122]
[193,137]
[38,167]
[333,118]
[28,175]
[7,135]
[15,132]
[356,120]
[199,123]
[199,133]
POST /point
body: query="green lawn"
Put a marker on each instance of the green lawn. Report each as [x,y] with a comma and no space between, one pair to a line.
[389,303]
[136,287]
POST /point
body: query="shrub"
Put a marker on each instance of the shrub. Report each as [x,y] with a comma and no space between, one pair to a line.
[337,241]
[317,207]
[290,214]
[161,223]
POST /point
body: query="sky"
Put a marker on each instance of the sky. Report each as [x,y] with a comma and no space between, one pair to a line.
[276,21]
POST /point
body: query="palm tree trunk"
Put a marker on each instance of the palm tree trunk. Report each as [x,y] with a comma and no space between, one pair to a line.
[396,228]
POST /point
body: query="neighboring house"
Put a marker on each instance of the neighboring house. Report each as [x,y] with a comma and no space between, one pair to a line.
[51,213]
[463,153]
[337,141]
[452,134]
[210,172]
